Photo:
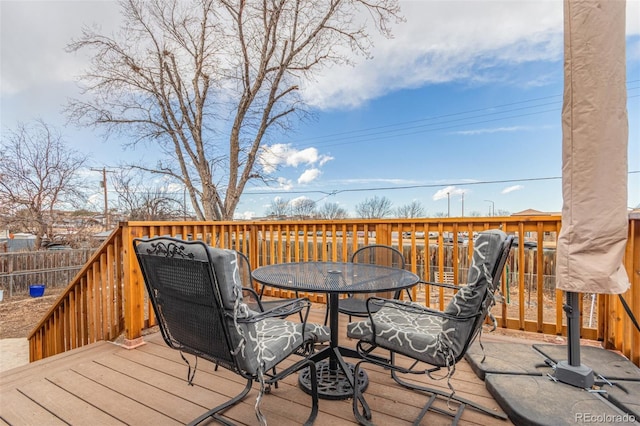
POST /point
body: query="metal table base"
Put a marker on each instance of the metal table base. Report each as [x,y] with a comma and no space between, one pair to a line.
[335,375]
[333,384]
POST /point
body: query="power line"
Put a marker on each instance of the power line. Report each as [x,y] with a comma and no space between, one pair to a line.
[403,123]
[432,185]
[376,131]
[351,142]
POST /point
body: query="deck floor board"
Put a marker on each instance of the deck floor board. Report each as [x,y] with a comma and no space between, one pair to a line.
[103,383]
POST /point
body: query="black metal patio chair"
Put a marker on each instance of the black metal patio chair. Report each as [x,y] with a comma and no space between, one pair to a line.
[196,295]
[377,254]
[251,297]
[433,339]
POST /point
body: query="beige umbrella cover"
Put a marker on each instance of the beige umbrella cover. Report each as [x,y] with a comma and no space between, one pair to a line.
[594,151]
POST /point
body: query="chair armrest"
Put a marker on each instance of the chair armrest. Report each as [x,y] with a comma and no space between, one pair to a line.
[414,308]
[445,285]
[287,308]
[254,295]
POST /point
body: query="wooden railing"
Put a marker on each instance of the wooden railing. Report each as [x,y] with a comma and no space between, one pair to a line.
[91,307]
[107,299]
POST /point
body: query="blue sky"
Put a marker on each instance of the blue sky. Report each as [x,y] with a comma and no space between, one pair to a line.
[465,98]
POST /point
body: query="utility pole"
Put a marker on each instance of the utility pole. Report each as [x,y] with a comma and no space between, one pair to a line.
[448,204]
[103,184]
[106,200]
[462,215]
[493,207]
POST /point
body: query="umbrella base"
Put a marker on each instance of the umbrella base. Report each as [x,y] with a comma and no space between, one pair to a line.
[539,401]
[579,376]
[519,377]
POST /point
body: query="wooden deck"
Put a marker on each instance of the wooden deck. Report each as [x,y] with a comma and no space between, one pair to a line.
[105,384]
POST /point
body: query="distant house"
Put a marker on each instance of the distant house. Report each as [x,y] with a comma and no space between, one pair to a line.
[533,212]
[531,236]
[17,242]
[101,236]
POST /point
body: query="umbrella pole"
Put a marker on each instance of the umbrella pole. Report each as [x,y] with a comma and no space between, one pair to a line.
[572,372]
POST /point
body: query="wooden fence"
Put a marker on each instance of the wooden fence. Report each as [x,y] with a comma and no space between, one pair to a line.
[107,297]
[53,268]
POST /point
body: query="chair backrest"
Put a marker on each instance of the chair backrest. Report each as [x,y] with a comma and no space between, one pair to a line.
[249,295]
[244,268]
[379,254]
[193,288]
[490,253]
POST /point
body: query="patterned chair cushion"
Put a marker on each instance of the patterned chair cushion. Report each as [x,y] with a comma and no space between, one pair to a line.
[469,300]
[407,331]
[419,334]
[486,251]
[317,332]
[225,263]
[271,340]
[267,341]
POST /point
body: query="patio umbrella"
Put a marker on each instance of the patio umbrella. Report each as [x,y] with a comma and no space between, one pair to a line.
[594,165]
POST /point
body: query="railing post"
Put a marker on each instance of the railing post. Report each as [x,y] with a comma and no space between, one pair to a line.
[133,290]
[254,245]
[618,330]
[383,237]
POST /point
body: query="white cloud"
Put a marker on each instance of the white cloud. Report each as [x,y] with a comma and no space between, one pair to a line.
[34,35]
[175,187]
[273,156]
[366,181]
[440,41]
[296,201]
[246,215]
[512,188]
[444,41]
[491,130]
[448,192]
[96,201]
[309,175]
[284,184]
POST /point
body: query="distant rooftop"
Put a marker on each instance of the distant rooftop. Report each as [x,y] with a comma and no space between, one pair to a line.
[533,212]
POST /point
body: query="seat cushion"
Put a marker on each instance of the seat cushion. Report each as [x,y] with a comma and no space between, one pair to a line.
[476,297]
[417,335]
[486,252]
[273,339]
[318,333]
[268,341]
[423,335]
[225,265]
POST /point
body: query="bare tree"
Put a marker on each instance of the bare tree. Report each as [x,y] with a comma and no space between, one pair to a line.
[412,210]
[140,201]
[38,174]
[373,208]
[206,81]
[332,211]
[303,208]
[279,208]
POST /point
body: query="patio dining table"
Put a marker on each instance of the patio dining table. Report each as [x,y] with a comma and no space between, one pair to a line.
[335,376]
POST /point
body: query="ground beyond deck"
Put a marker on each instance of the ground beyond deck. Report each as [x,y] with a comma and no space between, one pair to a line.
[105,384]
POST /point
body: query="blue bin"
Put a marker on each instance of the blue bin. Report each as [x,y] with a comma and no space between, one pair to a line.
[36,290]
